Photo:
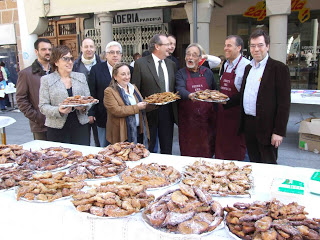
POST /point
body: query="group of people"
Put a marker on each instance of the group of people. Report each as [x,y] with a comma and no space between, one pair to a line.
[253,119]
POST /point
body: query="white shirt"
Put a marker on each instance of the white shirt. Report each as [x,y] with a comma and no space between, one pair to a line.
[110,68]
[132,99]
[164,68]
[132,64]
[239,71]
[252,86]
[213,61]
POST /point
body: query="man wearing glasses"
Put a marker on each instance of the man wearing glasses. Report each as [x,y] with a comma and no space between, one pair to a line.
[99,79]
[155,73]
[264,102]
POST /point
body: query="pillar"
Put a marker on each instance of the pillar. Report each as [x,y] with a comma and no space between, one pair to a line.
[278,12]
[204,9]
[105,19]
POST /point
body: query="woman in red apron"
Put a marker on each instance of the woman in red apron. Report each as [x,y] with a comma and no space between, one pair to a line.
[229,145]
[196,119]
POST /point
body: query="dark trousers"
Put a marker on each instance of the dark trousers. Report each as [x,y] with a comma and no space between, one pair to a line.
[93,126]
[164,128]
[77,135]
[258,152]
[40,136]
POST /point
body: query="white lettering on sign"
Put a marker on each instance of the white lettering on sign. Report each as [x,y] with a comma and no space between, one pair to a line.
[138,17]
[197,86]
[225,88]
[226,80]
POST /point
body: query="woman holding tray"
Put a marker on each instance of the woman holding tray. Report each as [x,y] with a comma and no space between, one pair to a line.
[65,124]
[126,110]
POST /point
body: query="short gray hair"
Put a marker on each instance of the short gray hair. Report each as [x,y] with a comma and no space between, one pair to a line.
[113,43]
[194,45]
[239,41]
[155,40]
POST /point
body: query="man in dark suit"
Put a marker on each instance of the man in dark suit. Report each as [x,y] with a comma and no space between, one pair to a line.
[154,74]
[264,101]
[99,79]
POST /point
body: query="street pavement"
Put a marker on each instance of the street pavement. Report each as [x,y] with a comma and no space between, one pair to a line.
[289,153]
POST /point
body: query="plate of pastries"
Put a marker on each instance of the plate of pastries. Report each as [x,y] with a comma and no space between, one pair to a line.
[162,98]
[210,96]
[78,101]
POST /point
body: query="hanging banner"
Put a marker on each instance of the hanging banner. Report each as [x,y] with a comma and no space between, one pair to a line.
[259,10]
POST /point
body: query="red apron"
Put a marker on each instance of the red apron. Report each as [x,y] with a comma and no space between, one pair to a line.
[196,121]
[229,145]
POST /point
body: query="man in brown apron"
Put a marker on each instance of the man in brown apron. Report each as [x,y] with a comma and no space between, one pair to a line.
[230,145]
[196,119]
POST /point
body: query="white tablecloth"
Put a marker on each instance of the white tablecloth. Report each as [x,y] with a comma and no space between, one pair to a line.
[60,220]
[305,96]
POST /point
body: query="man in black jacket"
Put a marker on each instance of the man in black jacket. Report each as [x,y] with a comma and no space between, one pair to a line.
[87,59]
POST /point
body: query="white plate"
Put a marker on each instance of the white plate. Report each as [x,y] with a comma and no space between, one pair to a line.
[56,169]
[39,201]
[231,233]
[5,165]
[80,105]
[161,104]
[211,100]
[92,216]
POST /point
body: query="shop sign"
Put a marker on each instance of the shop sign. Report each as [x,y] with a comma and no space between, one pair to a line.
[311,49]
[259,10]
[138,17]
[7,34]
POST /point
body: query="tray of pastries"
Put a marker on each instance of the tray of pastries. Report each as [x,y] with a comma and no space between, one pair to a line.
[270,220]
[10,176]
[49,159]
[210,96]
[78,101]
[220,179]
[186,210]
[152,175]
[162,98]
[126,151]
[112,200]
[9,153]
[48,187]
[98,166]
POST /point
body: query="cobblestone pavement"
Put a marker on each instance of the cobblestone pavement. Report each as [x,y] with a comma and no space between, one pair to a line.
[289,153]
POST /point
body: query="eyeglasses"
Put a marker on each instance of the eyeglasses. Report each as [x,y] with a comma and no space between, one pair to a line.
[67,59]
[193,55]
[260,45]
[114,52]
[165,44]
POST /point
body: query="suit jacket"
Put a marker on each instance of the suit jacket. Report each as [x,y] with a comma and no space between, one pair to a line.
[146,79]
[117,113]
[27,96]
[273,101]
[99,80]
[53,92]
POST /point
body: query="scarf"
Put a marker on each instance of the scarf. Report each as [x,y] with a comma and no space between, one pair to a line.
[131,120]
[88,63]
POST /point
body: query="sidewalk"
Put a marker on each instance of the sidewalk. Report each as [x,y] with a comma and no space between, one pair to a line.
[289,153]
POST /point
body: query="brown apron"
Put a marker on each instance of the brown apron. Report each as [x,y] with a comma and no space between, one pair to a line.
[229,145]
[196,121]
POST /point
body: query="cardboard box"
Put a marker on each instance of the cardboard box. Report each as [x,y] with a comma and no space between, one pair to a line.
[309,135]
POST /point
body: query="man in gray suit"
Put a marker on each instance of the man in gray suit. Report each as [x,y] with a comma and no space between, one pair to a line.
[154,74]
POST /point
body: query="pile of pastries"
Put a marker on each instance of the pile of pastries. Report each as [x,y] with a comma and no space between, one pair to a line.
[49,187]
[96,166]
[151,175]
[126,151]
[271,220]
[113,199]
[79,100]
[187,210]
[48,158]
[210,95]
[10,176]
[162,98]
[220,179]
[10,152]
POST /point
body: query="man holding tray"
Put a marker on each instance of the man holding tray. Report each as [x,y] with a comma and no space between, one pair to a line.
[155,73]
[196,119]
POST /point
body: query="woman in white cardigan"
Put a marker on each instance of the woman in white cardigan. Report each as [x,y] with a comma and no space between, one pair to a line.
[65,124]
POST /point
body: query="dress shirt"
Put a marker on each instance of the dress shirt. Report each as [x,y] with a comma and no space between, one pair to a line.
[228,66]
[252,86]
[110,69]
[46,72]
[165,70]
[213,61]
[132,100]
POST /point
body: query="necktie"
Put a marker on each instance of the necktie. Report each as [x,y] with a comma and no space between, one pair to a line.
[161,77]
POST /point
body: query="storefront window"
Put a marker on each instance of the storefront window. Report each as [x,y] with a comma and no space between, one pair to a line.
[8,55]
[303,45]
